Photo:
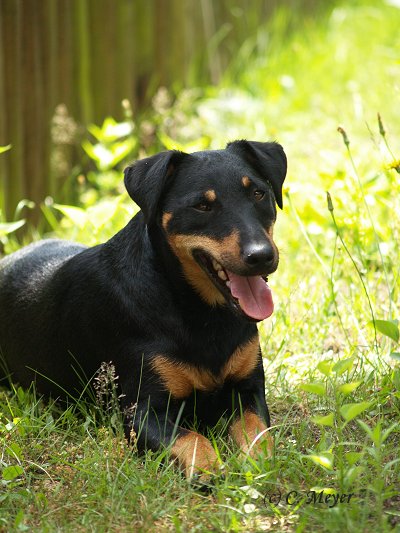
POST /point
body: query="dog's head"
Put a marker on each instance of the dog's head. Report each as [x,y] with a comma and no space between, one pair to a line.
[217,210]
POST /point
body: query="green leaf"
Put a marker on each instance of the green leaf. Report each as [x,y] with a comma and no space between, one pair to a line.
[325,367]
[194,146]
[395,355]
[388,431]
[351,410]
[96,132]
[122,149]
[107,157]
[21,394]
[18,521]
[389,328]
[353,473]
[18,423]
[4,148]
[14,450]
[75,214]
[348,388]
[103,212]
[11,472]
[314,388]
[343,365]
[326,460]
[353,457]
[324,420]
[376,434]
[111,130]
[89,149]
[20,206]
[9,227]
[116,130]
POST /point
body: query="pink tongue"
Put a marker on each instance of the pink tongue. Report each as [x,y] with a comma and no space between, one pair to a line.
[254,295]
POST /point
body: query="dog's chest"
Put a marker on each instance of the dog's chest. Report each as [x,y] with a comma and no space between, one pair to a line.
[180,379]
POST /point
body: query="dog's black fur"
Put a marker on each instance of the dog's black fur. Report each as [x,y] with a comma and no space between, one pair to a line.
[149,299]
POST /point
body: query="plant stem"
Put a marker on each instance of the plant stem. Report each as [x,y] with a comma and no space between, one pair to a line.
[330,207]
[377,240]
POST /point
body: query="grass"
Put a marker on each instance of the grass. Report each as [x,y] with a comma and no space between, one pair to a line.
[331,348]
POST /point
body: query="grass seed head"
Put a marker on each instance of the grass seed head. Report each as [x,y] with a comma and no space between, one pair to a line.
[382,130]
[344,135]
[105,385]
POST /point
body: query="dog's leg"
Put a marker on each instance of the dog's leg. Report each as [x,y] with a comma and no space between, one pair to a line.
[195,455]
[251,434]
[193,451]
[250,418]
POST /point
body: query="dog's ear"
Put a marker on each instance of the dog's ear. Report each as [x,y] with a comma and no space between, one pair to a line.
[268,159]
[146,179]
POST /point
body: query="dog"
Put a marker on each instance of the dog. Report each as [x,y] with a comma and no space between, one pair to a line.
[173,300]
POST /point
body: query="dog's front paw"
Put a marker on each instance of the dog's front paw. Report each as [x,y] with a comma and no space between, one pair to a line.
[196,457]
[252,435]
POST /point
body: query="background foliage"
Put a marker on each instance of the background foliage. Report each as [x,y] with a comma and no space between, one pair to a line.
[331,349]
[67,63]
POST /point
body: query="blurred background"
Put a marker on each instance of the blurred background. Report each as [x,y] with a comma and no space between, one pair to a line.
[189,74]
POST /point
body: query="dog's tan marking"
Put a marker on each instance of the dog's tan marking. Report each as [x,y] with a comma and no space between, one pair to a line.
[226,251]
[195,454]
[210,195]
[250,433]
[246,181]
[165,220]
[243,360]
[181,379]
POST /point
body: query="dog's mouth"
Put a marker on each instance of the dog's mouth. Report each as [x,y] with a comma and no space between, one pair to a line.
[247,295]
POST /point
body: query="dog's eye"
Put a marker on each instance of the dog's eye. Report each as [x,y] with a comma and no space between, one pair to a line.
[259,195]
[202,206]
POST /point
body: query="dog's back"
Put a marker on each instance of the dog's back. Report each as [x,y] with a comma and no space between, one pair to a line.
[26,303]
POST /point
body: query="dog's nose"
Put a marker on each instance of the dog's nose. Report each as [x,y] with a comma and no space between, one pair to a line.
[257,255]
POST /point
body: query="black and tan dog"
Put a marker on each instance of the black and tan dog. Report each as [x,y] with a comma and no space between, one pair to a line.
[172,300]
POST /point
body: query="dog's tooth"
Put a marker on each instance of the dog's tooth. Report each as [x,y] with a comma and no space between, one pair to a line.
[222,275]
[215,264]
[228,284]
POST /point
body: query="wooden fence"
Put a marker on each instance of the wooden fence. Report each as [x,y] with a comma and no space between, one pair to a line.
[88,55]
